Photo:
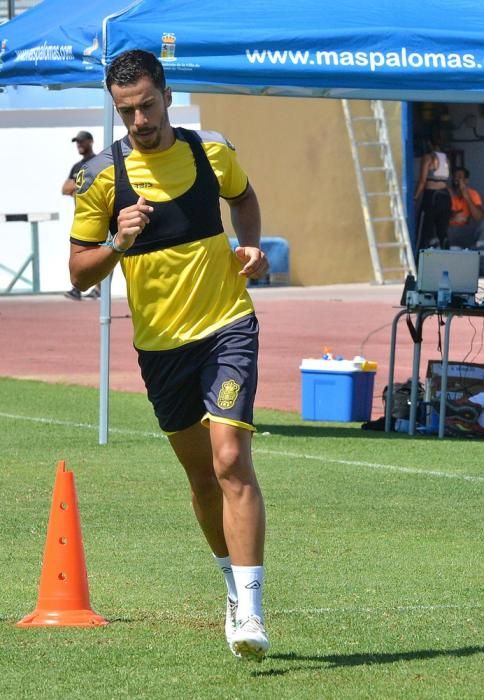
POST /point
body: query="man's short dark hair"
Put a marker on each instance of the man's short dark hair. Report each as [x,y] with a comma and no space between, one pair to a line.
[461,169]
[131,66]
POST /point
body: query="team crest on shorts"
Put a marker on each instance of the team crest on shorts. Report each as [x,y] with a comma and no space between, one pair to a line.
[228,393]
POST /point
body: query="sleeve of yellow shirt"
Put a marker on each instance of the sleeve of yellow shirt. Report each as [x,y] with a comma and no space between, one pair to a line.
[223,159]
[92,215]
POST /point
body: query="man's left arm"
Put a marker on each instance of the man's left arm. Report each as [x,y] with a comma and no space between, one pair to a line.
[473,200]
[246,220]
[475,205]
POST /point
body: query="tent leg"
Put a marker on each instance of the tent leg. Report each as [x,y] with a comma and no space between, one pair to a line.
[105,305]
[105,330]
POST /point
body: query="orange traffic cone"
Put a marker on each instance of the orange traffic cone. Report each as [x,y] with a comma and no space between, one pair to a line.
[63,590]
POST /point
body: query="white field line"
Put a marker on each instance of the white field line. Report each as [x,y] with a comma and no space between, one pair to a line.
[275,453]
[464,608]
[382,610]
[84,426]
[373,465]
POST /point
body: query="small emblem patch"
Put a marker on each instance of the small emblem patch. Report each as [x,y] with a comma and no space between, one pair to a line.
[227,396]
[80,179]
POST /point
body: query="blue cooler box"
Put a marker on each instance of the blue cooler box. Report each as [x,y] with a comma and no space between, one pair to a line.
[335,390]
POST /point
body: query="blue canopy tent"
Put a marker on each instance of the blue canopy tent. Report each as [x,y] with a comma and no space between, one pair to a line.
[414,50]
[56,44]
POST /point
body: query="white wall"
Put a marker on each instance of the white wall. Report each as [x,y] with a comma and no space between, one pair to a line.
[36,154]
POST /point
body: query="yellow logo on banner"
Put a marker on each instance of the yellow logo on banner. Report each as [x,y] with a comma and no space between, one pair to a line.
[228,393]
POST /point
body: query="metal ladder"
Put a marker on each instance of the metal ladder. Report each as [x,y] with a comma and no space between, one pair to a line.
[381,201]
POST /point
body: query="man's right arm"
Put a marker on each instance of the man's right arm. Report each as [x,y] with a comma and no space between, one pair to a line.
[88,265]
[69,187]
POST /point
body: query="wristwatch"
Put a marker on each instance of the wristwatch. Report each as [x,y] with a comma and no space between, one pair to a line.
[111,243]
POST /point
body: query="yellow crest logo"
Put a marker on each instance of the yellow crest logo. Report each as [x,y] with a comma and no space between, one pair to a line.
[80,179]
[228,393]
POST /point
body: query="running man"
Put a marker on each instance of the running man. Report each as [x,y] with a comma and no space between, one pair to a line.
[156,192]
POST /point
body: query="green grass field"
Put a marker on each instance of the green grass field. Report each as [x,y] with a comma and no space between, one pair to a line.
[373,560]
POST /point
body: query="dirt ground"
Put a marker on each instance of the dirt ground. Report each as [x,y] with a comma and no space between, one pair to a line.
[57,340]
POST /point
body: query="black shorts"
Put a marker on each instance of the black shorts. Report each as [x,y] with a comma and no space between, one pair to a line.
[210,379]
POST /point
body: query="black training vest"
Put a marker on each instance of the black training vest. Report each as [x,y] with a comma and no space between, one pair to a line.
[192,216]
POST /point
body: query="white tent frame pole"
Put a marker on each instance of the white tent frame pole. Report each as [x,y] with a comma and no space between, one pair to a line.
[105,304]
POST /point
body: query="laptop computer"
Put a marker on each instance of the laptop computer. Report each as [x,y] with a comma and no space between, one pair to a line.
[462,266]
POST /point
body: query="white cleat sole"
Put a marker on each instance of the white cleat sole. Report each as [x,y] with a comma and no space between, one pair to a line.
[250,639]
[249,650]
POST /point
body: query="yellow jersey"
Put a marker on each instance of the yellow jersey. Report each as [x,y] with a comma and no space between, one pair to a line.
[181,287]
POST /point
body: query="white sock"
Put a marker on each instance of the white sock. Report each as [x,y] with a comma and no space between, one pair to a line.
[249,581]
[225,567]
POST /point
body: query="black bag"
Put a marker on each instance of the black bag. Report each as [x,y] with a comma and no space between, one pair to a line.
[401,398]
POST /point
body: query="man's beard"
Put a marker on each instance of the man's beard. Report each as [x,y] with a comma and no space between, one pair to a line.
[151,141]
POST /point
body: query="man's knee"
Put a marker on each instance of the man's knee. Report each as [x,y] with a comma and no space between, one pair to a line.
[227,459]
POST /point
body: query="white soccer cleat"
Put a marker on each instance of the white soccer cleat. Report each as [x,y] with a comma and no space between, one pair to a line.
[249,640]
[230,622]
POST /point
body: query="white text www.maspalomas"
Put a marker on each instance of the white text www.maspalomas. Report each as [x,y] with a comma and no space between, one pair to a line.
[372,59]
[45,52]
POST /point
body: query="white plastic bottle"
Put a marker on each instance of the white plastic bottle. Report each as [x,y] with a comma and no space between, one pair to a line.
[444,293]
